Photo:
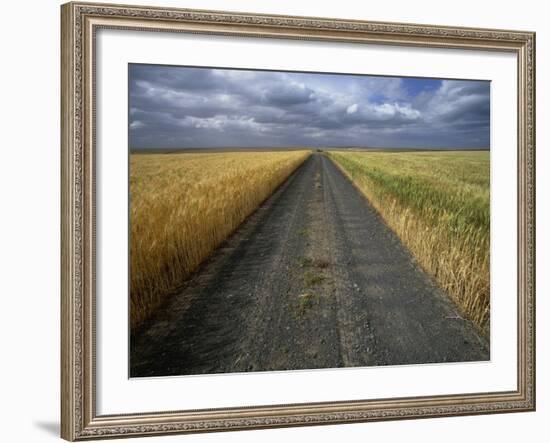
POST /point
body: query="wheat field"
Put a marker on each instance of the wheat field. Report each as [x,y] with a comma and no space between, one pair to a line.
[438,204]
[184,205]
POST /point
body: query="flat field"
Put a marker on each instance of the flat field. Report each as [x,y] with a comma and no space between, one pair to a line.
[314,278]
[184,205]
[438,204]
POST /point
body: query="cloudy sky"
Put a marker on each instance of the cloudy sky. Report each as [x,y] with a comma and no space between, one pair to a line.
[181,107]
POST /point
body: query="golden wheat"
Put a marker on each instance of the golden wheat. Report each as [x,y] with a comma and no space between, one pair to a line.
[438,204]
[182,206]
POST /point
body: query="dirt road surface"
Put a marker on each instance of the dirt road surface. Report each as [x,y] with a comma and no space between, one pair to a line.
[313,279]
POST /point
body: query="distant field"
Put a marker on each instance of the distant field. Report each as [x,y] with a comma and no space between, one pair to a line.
[182,206]
[438,204]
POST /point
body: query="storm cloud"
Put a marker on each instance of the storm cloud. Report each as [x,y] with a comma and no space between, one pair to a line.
[185,107]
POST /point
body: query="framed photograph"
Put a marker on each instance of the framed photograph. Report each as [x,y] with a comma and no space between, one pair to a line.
[282,221]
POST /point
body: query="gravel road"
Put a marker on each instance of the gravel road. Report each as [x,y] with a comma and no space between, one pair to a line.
[313,279]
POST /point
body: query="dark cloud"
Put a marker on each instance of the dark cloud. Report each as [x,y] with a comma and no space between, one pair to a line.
[174,107]
[288,95]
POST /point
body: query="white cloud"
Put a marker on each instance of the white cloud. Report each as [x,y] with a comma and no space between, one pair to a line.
[389,111]
[136,124]
[352,109]
[221,123]
[408,112]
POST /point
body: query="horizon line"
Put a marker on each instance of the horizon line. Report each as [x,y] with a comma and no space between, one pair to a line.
[244,148]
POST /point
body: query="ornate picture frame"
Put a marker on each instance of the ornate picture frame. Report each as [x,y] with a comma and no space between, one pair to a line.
[80,22]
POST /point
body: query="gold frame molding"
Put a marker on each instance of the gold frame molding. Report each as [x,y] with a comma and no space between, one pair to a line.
[79,22]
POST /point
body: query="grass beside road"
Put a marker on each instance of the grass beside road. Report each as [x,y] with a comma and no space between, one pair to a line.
[438,204]
[183,206]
